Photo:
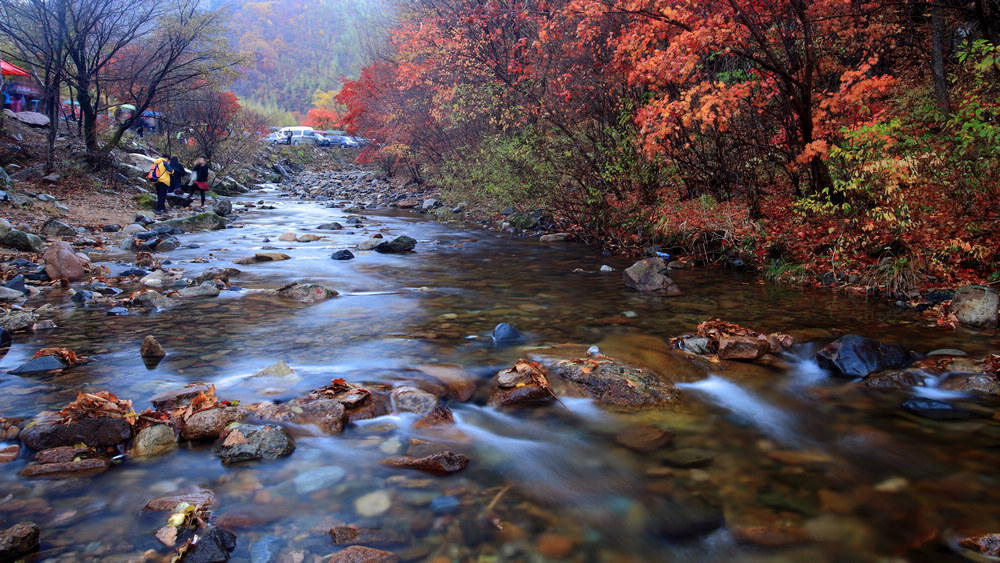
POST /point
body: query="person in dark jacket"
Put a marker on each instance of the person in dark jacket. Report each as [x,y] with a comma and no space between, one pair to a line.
[200,170]
[177,173]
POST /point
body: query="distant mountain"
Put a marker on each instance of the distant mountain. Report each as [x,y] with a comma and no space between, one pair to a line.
[298,47]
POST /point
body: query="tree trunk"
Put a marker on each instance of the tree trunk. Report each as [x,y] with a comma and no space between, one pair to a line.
[938,42]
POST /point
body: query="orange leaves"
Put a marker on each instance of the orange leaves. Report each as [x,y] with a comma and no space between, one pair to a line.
[98,405]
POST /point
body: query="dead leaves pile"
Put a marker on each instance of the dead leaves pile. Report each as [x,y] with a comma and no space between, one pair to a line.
[101,404]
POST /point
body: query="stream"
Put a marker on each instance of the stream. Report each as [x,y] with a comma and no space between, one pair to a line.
[780,445]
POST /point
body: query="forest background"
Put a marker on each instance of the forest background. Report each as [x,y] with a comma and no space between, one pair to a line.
[844,141]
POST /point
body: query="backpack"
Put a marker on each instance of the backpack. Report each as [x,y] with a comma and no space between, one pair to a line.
[155,171]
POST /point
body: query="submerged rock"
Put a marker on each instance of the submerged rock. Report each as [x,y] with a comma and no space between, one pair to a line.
[935,410]
[197,496]
[43,365]
[361,554]
[61,262]
[306,293]
[347,535]
[856,356]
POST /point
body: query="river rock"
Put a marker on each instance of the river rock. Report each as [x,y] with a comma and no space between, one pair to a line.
[319,478]
[196,496]
[309,237]
[9,453]
[214,274]
[558,237]
[17,283]
[856,356]
[688,458]
[521,220]
[362,554]
[56,228]
[742,347]
[246,442]
[211,423]
[179,397]
[373,504]
[278,370]
[287,237]
[649,275]
[221,206]
[43,365]
[8,295]
[369,244]
[13,321]
[20,539]
[520,385]
[49,432]
[208,221]
[441,463]
[154,300]
[76,468]
[769,536]
[976,306]
[643,439]
[982,383]
[326,414]
[616,384]
[934,409]
[331,226]
[348,535]
[213,546]
[411,399]
[342,255]
[892,379]
[307,293]
[154,440]
[20,240]
[398,245]
[207,289]
[151,348]
[505,333]
[438,416]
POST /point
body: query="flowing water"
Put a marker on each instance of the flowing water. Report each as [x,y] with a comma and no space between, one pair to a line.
[782,445]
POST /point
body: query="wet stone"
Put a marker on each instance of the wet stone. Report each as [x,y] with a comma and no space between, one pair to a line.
[20,539]
[178,398]
[95,432]
[441,463]
[445,504]
[680,519]
[9,453]
[211,423]
[856,356]
[44,365]
[154,440]
[348,535]
[250,443]
[411,399]
[398,245]
[438,416]
[373,504]
[319,478]
[892,379]
[505,333]
[214,546]
[198,496]
[151,348]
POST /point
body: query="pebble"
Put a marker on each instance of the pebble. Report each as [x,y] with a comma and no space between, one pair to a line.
[373,504]
[554,546]
[445,504]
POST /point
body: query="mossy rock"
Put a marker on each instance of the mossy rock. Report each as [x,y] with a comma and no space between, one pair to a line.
[145,201]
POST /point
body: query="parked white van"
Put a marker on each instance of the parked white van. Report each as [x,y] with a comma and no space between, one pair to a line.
[298,136]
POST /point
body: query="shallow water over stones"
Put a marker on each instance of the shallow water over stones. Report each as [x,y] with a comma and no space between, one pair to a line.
[774,460]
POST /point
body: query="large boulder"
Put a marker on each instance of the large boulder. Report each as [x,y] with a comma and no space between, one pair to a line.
[56,228]
[221,206]
[649,275]
[244,442]
[856,356]
[616,384]
[20,240]
[976,306]
[208,221]
[61,262]
[48,432]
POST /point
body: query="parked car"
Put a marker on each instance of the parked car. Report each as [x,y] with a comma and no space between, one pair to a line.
[272,137]
[299,135]
[323,141]
[343,141]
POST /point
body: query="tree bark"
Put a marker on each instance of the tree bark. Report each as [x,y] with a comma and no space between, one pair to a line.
[938,42]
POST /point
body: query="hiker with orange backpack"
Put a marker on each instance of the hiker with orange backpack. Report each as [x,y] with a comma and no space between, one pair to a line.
[159,176]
